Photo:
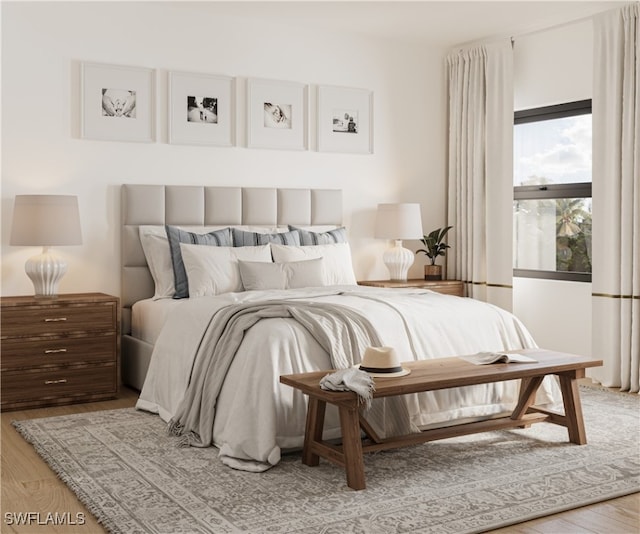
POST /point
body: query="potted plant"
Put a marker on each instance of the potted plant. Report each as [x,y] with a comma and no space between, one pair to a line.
[434,247]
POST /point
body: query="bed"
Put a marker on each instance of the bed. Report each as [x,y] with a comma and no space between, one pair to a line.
[199,206]
[209,363]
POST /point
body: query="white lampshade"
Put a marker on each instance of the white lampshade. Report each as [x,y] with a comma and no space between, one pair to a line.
[45,220]
[398,222]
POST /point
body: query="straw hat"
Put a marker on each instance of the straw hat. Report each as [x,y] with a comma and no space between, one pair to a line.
[382,362]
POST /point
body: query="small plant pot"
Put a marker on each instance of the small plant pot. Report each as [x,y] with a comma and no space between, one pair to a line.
[433,272]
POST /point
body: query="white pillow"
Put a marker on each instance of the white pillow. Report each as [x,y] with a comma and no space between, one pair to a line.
[156,249]
[214,270]
[338,269]
[291,275]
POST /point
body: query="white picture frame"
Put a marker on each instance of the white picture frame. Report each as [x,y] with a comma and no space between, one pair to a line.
[118,103]
[277,114]
[201,109]
[345,120]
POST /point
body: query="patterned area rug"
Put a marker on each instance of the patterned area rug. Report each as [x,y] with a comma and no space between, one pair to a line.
[134,479]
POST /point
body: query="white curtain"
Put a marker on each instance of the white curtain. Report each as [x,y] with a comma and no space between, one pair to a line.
[480,173]
[616,198]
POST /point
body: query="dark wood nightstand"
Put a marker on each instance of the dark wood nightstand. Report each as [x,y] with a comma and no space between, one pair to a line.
[59,350]
[449,287]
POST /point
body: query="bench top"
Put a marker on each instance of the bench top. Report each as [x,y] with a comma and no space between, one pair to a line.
[442,373]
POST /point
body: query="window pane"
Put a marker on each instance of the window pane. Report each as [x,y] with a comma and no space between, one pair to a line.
[552,234]
[552,151]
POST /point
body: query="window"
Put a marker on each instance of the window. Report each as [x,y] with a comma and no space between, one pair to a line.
[552,192]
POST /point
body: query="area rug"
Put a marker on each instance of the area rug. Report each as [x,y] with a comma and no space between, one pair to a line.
[122,465]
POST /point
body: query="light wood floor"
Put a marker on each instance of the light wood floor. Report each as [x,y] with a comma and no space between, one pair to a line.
[28,485]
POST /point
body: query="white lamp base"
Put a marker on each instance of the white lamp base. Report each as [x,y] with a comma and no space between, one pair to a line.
[398,260]
[45,271]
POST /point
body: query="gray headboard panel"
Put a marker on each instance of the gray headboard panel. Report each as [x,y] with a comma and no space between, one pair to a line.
[209,206]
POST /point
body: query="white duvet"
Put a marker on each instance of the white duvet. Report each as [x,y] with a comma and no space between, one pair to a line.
[257,417]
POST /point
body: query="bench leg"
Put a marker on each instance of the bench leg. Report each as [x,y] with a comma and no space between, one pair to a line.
[313,430]
[352,446]
[528,389]
[573,406]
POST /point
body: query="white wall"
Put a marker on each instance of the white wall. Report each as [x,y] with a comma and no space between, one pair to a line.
[558,313]
[44,43]
[552,67]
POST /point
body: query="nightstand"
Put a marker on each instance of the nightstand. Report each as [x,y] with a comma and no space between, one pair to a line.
[59,350]
[449,287]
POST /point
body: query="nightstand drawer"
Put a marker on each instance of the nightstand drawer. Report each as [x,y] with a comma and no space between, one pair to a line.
[28,321]
[43,384]
[58,351]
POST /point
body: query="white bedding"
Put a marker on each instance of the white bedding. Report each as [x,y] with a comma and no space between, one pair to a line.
[149,315]
[257,417]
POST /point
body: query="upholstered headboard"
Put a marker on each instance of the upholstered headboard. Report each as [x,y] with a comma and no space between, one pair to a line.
[209,206]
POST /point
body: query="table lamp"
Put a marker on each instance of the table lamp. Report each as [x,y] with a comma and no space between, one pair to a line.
[398,222]
[45,220]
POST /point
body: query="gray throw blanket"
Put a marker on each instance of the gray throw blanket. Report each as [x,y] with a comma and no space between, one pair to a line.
[352,379]
[341,331]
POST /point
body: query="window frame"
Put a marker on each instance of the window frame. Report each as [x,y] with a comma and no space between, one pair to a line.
[553,191]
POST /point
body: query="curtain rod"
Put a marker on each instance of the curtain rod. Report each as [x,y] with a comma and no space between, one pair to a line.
[563,24]
[516,36]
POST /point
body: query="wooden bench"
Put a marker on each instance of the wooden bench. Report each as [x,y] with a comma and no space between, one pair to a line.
[429,375]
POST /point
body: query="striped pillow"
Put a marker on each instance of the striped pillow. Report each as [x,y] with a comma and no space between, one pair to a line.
[175,235]
[242,238]
[308,238]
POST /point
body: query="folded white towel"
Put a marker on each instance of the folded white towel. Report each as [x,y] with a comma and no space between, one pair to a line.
[351,379]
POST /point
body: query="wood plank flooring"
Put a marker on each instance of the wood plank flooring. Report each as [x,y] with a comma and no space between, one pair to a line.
[28,485]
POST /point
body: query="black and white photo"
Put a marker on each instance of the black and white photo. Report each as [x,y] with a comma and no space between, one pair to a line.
[201,109]
[117,102]
[277,114]
[345,120]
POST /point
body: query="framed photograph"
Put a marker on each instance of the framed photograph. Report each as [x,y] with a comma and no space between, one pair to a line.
[345,120]
[201,109]
[277,114]
[117,103]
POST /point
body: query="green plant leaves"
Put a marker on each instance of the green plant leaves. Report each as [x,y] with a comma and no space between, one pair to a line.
[434,246]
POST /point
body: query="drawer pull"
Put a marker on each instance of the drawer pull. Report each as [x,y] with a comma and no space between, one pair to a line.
[61,381]
[55,319]
[54,351]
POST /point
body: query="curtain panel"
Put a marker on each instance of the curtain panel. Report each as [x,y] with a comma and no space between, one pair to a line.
[480,171]
[616,198]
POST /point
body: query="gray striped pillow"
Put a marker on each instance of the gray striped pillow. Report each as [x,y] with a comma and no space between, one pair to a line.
[308,238]
[175,235]
[242,238]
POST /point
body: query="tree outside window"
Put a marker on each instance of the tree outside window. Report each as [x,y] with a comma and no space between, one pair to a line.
[552,192]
